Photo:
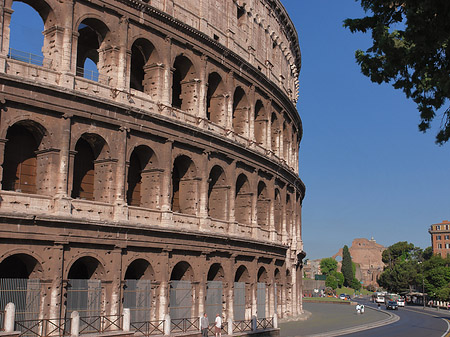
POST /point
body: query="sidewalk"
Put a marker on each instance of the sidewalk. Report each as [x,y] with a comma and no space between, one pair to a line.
[335,320]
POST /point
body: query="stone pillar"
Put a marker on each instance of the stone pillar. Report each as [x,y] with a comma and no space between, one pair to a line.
[5,37]
[166,93]
[120,206]
[294,297]
[57,265]
[47,162]
[203,188]
[251,114]
[2,157]
[115,298]
[232,199]
[104,174]
[163,302]
[154,81]
[123,69]
[202,89]
[63,170]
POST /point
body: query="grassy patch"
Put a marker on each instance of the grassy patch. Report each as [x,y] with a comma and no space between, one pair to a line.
[322,299]
[350,291]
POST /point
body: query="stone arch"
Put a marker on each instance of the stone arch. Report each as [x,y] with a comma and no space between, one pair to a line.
[262,276]
[143,178]
[216,273]
[278,211]
[86,268]
[182,271]
[261,292]
[261,121]
[185,87]
[286,142]
[21,266]
[214,290]
[275,134]
[243,200]
[263,205]
[217,194]
[184,186]
[241,108]
[145,73]
[241,294]
[216,99]
[90,171]
[92,40]
[242,274]
[20,165]
[289,215]
[139,269]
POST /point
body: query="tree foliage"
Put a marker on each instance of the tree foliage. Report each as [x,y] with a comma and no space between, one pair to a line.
[331,282]
[400,251]
[328,265]
[410,50]
[347,269]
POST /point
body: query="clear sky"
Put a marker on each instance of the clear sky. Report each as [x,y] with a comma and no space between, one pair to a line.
[368,171]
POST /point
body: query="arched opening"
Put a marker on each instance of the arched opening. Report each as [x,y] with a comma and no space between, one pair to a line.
[243,200]
[261,296]
[184,86]
[275,134]
[20,276]
[260,123]
[92,34]
[240,112]
[88,176]
[181,278]
[215,99]
[278,291]
[145,72]
[217,194]
[263,206]
[286,143]
[26,40]
[278,212]
[184,186]
[84,290]
[289,215]
[137,294]
[20,161]
[241,309]
[214,290]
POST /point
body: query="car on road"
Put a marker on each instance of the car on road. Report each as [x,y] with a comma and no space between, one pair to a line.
[391,305]
[401,302]
[342,296]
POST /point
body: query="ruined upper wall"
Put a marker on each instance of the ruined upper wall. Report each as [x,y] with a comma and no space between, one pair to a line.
[259,31]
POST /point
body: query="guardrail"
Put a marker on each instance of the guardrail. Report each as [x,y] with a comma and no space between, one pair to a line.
[29,58]
[264,323]
[100,324]
[242,326]
[184,324]
[148,328]
[43,327]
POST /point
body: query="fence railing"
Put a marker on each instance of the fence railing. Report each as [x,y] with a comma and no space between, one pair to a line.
[241,326]
[29,58]
[2,320]
[43,327]
[212,329]
[184,324]
[99,324]
[92,75]
[264,323]
[148,328]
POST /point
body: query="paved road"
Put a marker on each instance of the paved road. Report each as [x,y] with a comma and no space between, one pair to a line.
[414,322]
[335,320]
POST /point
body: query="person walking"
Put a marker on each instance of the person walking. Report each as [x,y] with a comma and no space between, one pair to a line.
[204,324]
[218,326]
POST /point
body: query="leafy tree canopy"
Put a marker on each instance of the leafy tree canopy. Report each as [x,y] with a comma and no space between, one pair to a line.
[328,265]
[410,50]
[347,268]
[398,251]
[331,282]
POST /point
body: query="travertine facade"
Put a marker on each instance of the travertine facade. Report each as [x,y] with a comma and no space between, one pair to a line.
[177,162]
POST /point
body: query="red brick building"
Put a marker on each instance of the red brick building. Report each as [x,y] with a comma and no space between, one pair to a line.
[440,238]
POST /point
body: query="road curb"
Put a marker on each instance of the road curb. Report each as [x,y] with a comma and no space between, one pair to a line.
[391,319]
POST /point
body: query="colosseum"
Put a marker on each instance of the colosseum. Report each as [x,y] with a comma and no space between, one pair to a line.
[164,182]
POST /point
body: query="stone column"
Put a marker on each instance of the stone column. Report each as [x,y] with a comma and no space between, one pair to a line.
[163,302]
[202,90]
[123,69]
[2,157]
[166,182]
[166,93]
[116,284]
[57,264]
[251,114]
[204,185]
[120,206]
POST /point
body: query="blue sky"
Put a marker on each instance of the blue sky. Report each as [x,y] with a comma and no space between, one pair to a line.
[367,168]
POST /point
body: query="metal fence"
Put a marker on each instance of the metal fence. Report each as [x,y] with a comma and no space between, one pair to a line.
[100,324]
[148,328]
[213,302]
[261,300]
[180,299]
[29,58]
[242,325]
[184,324]
[26,295]
[43,327]
[239,301]
[264,323]
[137,296]
[84,296]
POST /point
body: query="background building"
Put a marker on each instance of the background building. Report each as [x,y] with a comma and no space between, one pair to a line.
[166,180]
[440,238]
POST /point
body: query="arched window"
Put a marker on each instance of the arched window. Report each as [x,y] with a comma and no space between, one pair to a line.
[217,194]
[215,99]
[275,134]
[241,293]
[184,86]
[260,123]
[261,290]
[26,39]
[145,73]
[184,186]
[214,290]
[289,215]
[278,212]
[19,165]
[181,278]
[263,206]
[243,202]
[240,112]
[92,34]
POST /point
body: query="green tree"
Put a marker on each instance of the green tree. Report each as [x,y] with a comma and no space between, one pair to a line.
[328,265]
[410,50]
[356,284]
[398,251]
[347,269]
[399,277]
[331,282]
[340,279]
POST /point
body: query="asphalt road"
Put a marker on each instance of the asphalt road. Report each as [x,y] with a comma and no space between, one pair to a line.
[414,322]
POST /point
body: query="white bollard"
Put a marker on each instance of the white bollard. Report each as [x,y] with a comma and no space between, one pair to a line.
[10,312]
[230,326]
[167,325]
[275,321]
[126,319]
[75,324]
